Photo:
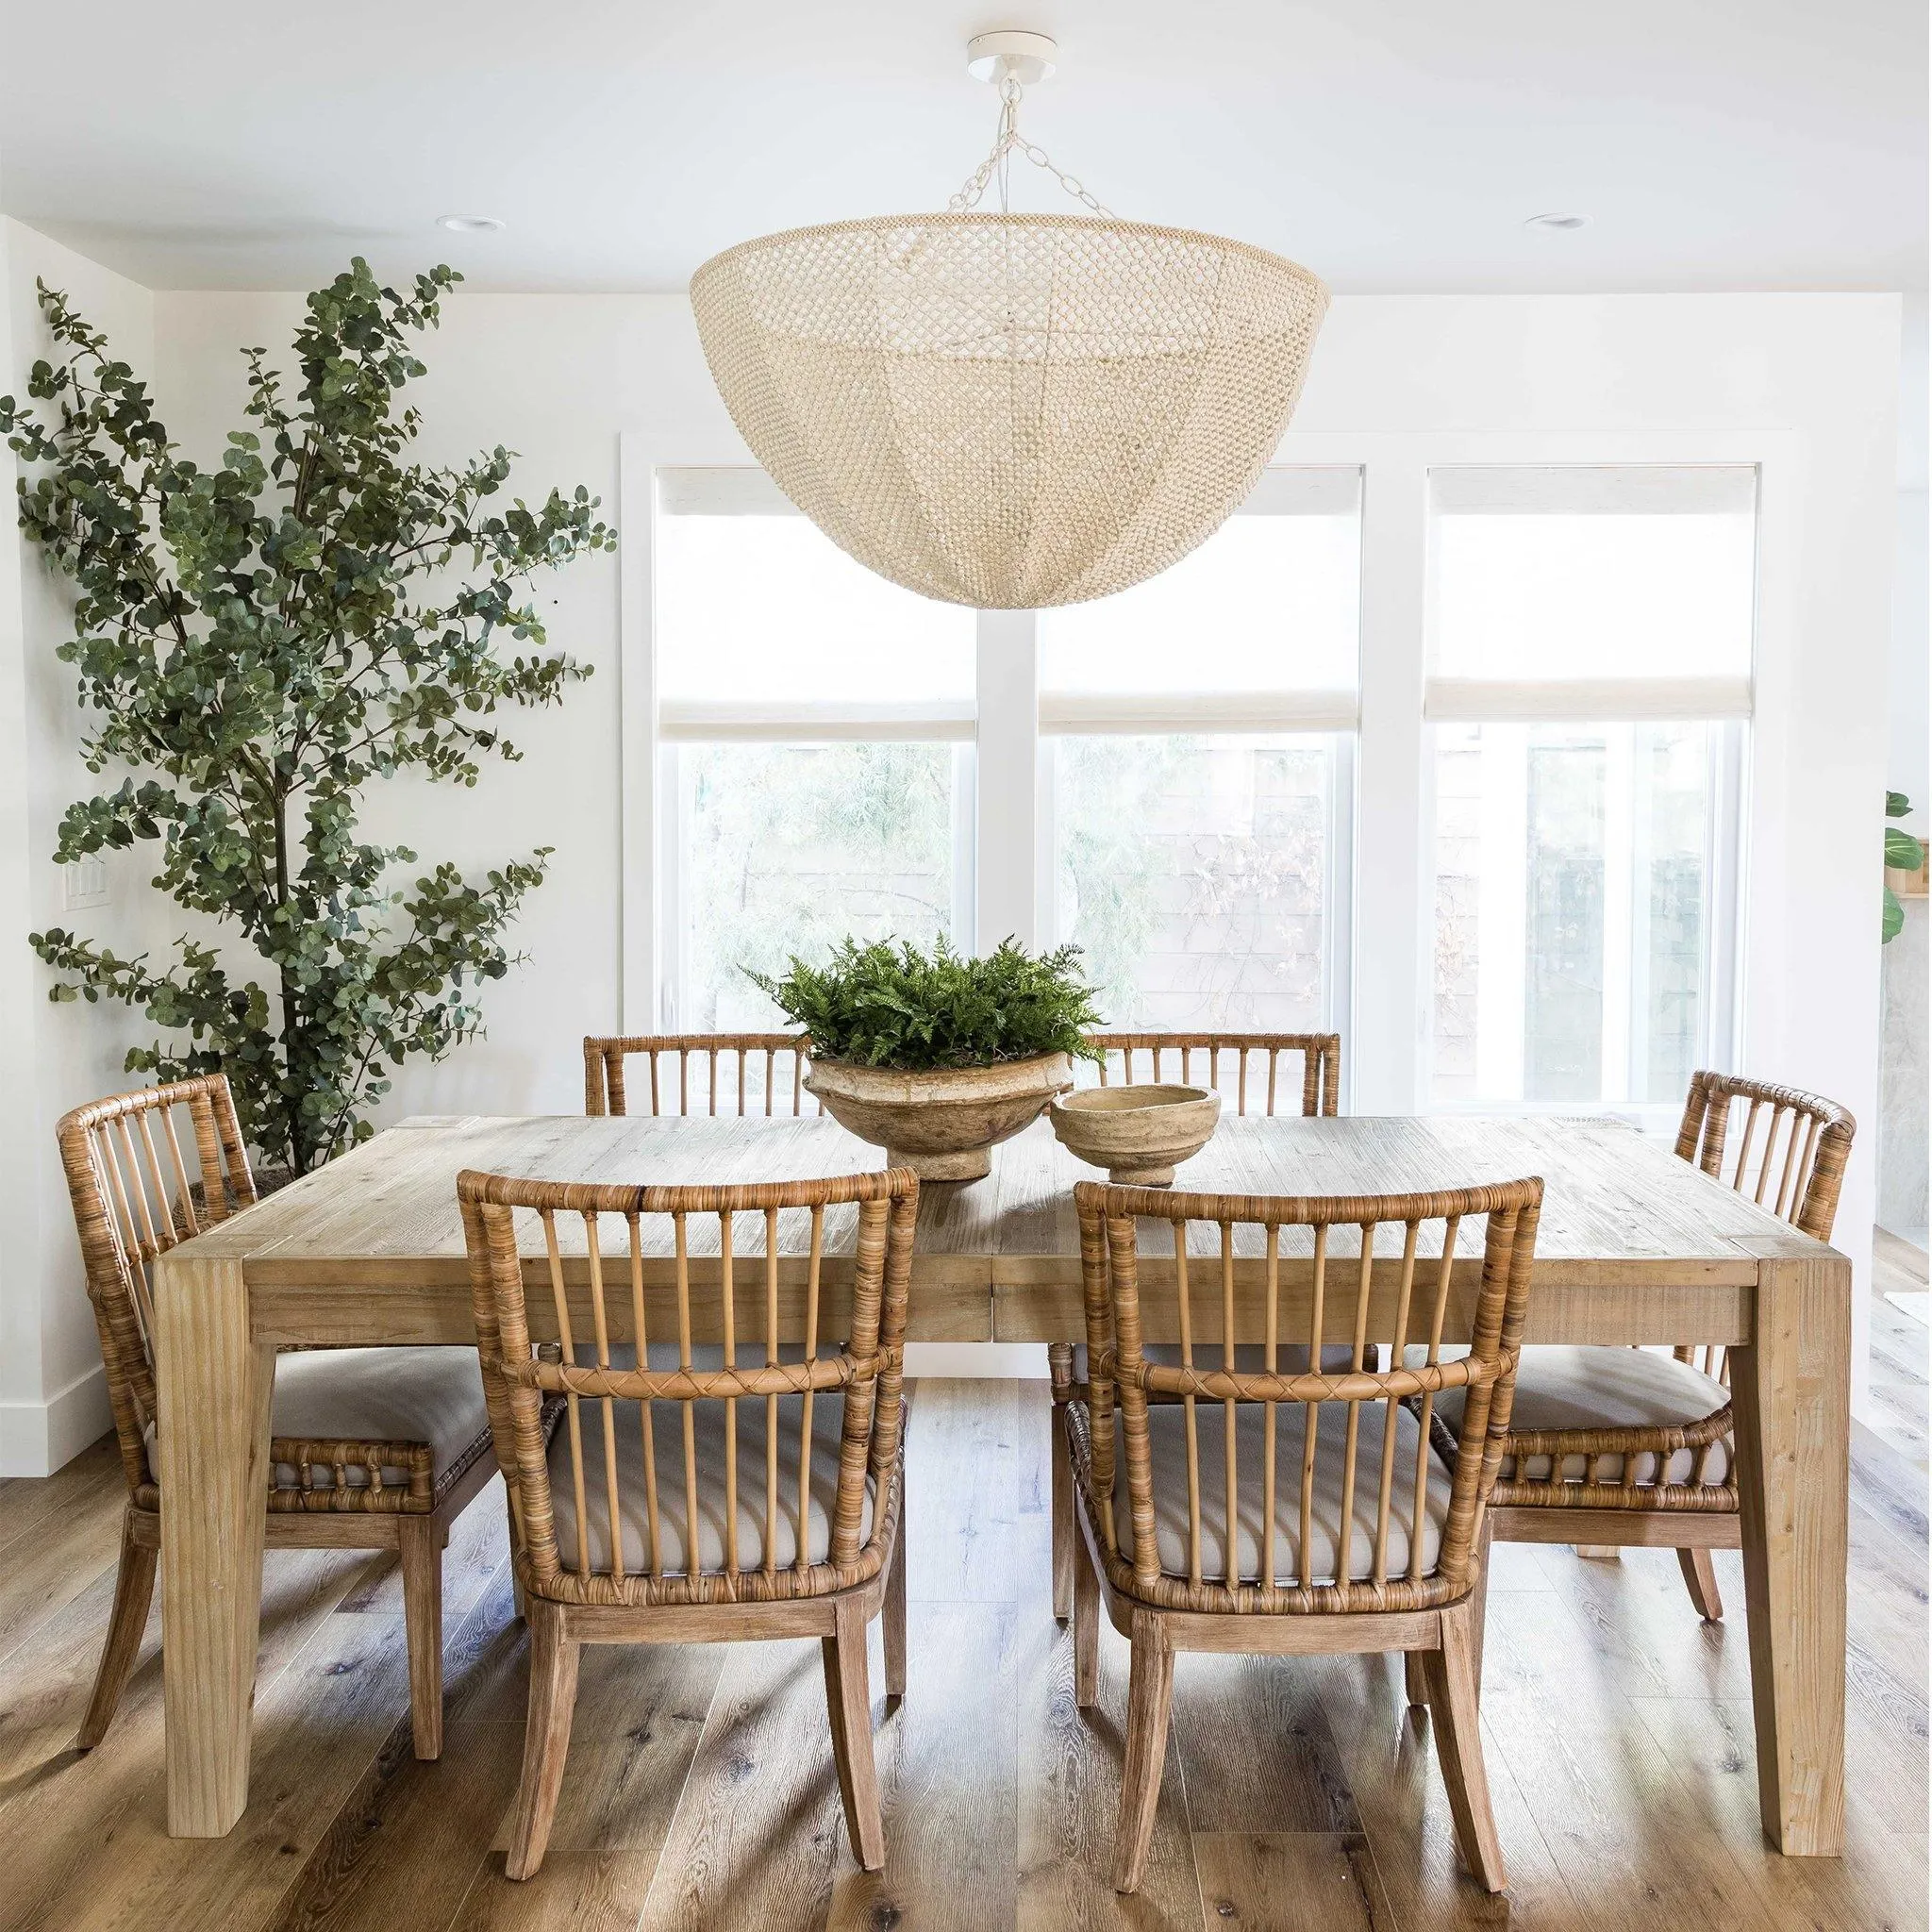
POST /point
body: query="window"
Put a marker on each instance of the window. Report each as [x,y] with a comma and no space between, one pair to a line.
[787,848]
[815,764]
[1576,889]
[1592,634]
[1199,858]
[1594,574]
[758,604]
[1269,603]
[1198,874]
[1167,777]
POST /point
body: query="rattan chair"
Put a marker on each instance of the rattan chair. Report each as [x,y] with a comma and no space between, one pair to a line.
[1626,1447]
[752,1061]
[370,1448]
[1230,1500]
[622,1518]
[1172,1056]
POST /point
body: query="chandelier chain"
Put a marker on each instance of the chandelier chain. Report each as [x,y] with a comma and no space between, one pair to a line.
[1007,142]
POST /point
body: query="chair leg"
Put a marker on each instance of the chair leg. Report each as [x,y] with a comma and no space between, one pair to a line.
[1479,1603]
[546,1737]
[1700,1579]
[1459,1746]
[421,1550]
[1086,1627]
[894,1619]
[1150,1698]
[134,1590]
[1066,1537]
[848,1698]
[1415,1679]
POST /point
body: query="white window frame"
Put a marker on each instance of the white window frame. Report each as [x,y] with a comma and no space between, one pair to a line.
[1501,945]
[1387,988]
[1724,703]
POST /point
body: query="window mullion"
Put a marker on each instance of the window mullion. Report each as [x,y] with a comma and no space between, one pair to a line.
[1006,783]
[1624,849]
[1393,953]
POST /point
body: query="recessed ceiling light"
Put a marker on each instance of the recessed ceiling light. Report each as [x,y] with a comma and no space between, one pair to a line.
[469,224]
[1558,221]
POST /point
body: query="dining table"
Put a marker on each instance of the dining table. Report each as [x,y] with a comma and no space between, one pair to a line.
[1636,1246]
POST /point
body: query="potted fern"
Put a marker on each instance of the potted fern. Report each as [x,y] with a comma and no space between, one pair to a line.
[934,1056]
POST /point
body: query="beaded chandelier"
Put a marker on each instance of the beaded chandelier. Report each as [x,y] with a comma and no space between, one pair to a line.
[1010,410]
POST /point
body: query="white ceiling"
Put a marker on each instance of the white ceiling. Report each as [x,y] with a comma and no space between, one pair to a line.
[1390,144]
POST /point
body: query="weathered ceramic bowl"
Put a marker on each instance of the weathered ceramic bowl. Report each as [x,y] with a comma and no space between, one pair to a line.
[1137,1133]
[941,1124]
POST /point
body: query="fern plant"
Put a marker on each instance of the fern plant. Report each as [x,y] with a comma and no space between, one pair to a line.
[886,1006]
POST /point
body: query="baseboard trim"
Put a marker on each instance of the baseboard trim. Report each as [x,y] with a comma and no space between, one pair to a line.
[36,1438]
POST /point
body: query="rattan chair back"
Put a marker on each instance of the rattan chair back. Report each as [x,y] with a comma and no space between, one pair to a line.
[755,1065]
[770,1320]
[1177,1057]
[1219,1265]
[1795,1167]
[136,1194]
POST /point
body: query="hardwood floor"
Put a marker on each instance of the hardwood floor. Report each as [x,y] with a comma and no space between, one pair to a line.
[700,1789]
[1899,1347]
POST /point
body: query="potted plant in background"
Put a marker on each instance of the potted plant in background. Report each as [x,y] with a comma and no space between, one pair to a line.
[935,1056]
[259,640]
[1905,866]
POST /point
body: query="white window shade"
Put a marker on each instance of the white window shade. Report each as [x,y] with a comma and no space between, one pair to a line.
[1614,591]
[756,608]
[1261,622]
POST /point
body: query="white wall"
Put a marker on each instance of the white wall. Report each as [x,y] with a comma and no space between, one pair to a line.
[53,1397]
[560,378]
[1909,760]
[1903,1100]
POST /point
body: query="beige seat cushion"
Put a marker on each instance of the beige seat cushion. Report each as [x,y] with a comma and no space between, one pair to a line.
[1577,1388]
[432,1395]
[676,1538]
[1167,1442]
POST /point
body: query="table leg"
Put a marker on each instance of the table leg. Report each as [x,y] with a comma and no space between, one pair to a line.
[213,1386]
[1792,1392]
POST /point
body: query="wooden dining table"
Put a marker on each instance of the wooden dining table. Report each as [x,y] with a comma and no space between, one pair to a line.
[1635,1246]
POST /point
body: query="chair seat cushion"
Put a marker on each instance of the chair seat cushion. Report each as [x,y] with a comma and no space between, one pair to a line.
[677,1544]
[1167,1431]
[433,1395]
[1579,1387]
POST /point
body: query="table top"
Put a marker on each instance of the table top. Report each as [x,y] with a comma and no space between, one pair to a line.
[370,1248]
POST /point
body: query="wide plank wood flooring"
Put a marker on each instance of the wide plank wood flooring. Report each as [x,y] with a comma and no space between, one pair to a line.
[700,1790]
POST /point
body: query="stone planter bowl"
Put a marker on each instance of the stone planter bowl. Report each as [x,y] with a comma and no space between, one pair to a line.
[1137,1133]
[942,1124]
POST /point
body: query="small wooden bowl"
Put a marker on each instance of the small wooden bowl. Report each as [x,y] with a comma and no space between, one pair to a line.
[1137,1133]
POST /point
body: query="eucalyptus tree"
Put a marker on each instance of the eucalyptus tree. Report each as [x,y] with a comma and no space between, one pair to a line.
[256,643]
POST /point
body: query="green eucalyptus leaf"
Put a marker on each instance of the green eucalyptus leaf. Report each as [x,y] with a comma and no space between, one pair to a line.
[254,642]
